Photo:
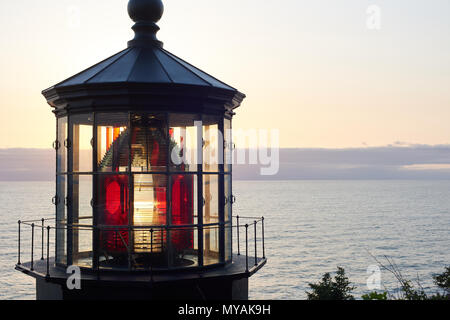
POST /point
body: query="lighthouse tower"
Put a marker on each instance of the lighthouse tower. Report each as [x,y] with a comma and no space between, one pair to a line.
[144,201]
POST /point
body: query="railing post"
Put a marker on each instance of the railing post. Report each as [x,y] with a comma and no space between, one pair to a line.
[18,255]
[162,237]
[151,254]
[48,252]
[97,255]
[32,246]
[42,251]
[130,262]
[169,246]
[256,249]
[246,248]
[263,245]
[238,229]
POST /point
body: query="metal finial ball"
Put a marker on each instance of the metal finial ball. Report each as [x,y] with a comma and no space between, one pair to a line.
[145,10]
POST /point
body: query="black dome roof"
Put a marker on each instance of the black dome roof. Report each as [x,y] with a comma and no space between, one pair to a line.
[145,65]
[143,76]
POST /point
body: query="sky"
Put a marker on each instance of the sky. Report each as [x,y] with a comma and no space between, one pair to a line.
[312,69]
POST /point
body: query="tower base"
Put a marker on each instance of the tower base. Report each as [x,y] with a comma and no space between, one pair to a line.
[230,282]
[202,290]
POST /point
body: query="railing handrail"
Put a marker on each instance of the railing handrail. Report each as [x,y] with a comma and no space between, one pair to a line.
[113,227]
[151,229]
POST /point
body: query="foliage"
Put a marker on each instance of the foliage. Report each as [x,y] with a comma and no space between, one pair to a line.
[443,281]
[407,289]
[329,289]
[376,296]
[410,292]
[340,287]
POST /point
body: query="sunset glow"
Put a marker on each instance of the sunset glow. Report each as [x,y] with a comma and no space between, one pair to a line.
[312,69]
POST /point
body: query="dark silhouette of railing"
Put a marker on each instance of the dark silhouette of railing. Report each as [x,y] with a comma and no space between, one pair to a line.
[45,227]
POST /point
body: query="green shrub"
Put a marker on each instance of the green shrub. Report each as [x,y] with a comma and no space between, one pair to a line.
[375,296]
[340,288]
[329,289]
[443,281]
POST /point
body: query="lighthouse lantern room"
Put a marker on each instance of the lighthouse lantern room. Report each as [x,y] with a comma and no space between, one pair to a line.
[144,181]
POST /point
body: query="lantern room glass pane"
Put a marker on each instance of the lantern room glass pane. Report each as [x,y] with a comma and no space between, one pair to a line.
[228,241]
[149,142]
[228,145]
[211,198]
[183,254]
[185,139]
[82,213]
[212,144]
[149,209]
[211,216]
[61,159]
[61,219]
[82,130]
[183,242]
[183,199]
[211,245]
[113,142]
[112,210]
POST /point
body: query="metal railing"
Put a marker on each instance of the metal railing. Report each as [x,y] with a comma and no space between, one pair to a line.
[250,222]
[247,225]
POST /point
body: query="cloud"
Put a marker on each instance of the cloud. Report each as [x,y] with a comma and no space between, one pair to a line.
[388,162]
[27,164]
[400,161]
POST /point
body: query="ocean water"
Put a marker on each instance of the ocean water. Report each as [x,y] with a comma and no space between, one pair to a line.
[311,228]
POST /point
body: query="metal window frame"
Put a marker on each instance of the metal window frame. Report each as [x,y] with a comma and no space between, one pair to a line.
[69,176]
[61,199]
[221,194]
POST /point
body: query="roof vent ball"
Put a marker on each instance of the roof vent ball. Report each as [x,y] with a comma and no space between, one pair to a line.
[145,14]
[145,10]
